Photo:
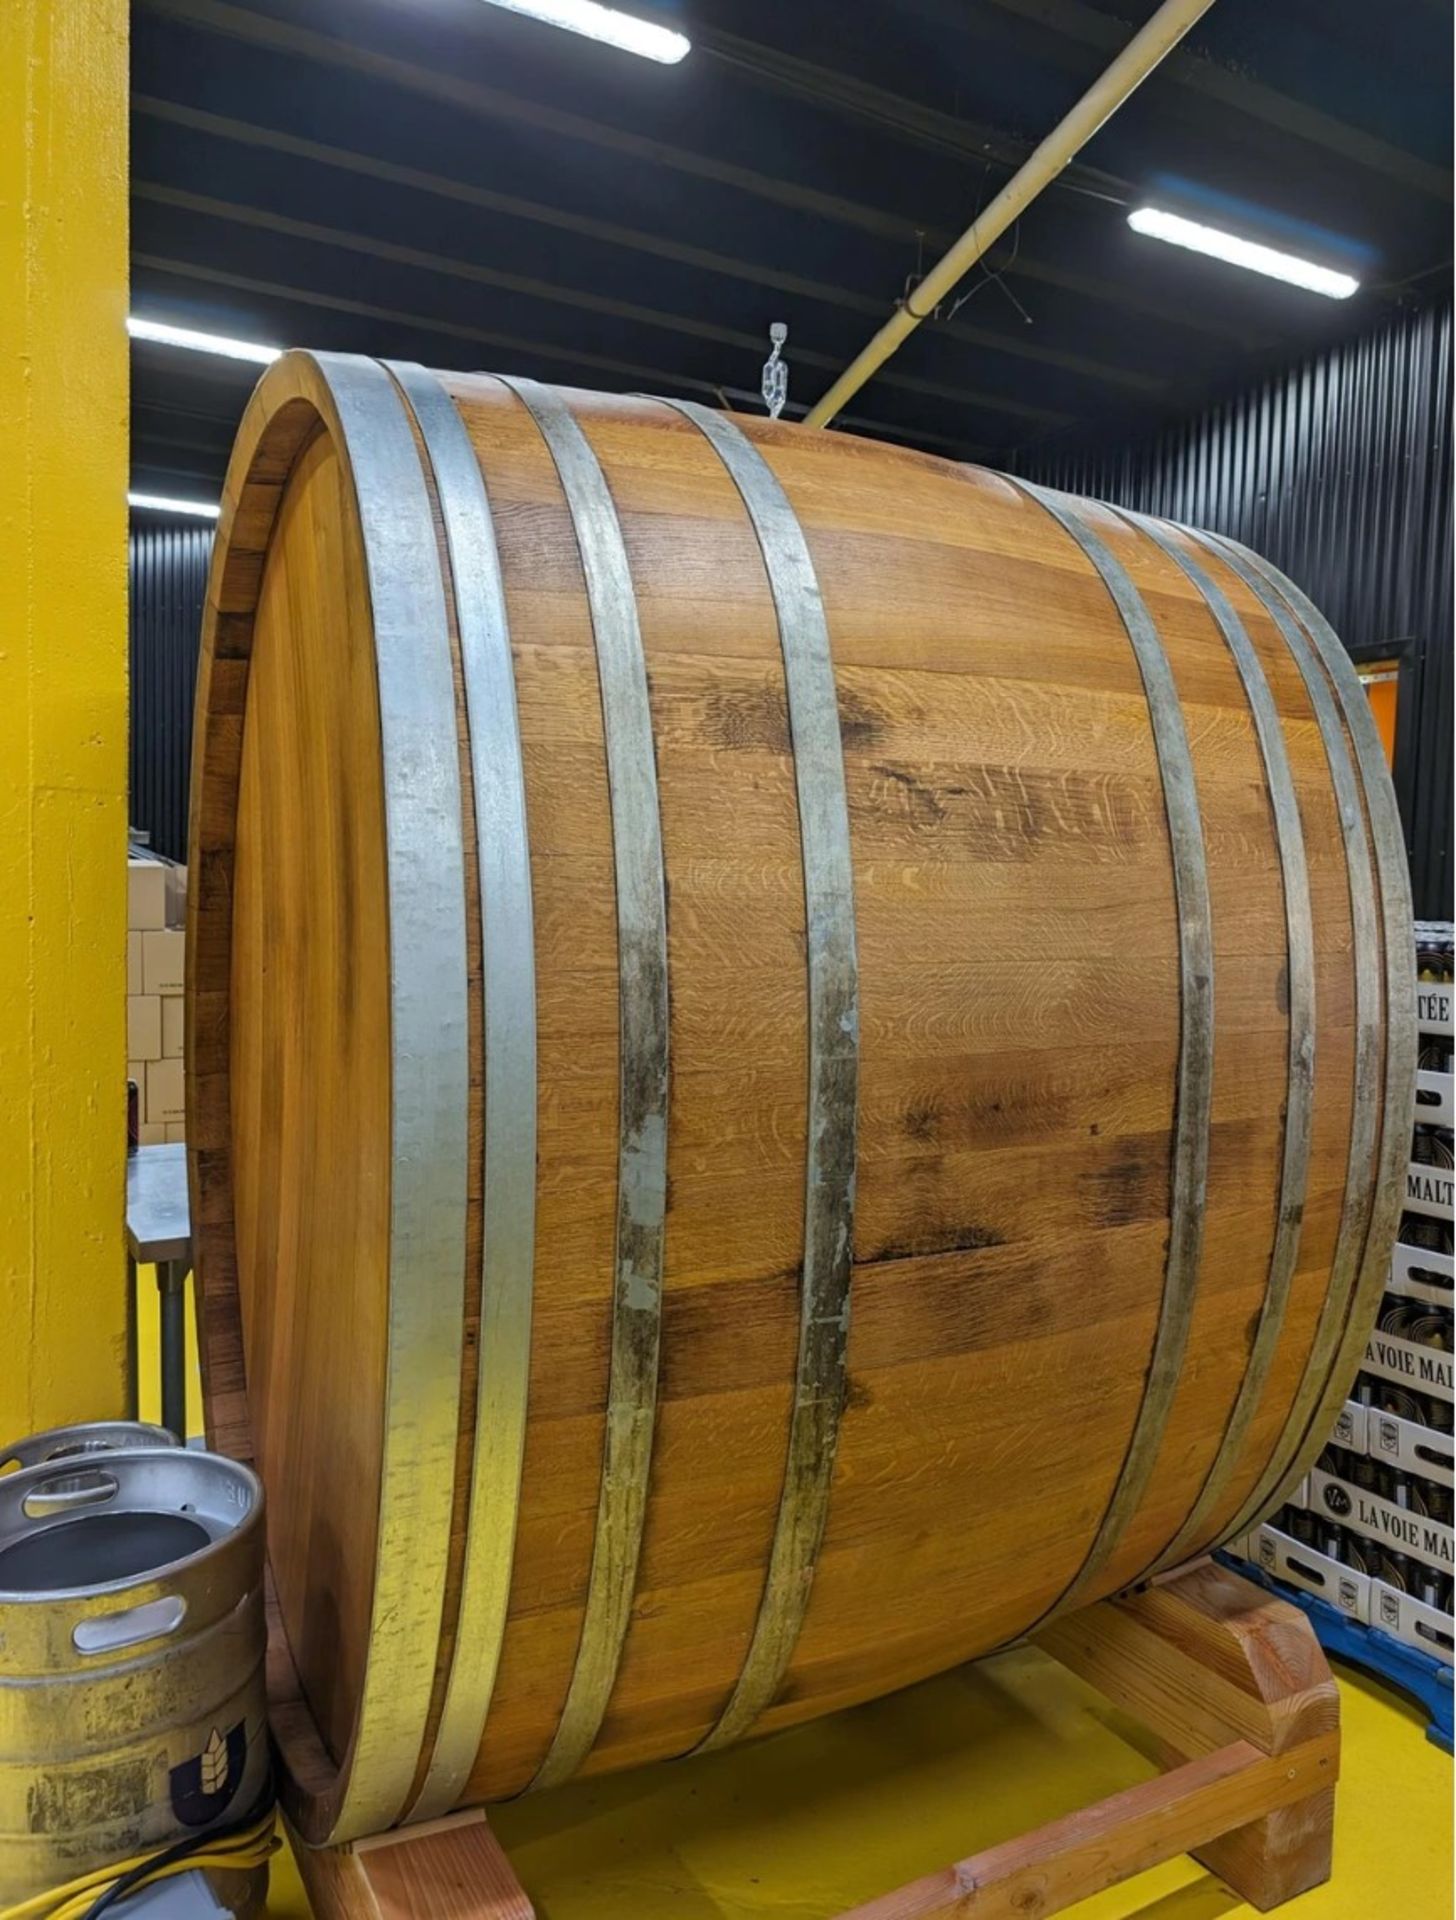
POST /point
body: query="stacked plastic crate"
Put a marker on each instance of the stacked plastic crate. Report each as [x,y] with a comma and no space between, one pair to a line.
[1369,1536]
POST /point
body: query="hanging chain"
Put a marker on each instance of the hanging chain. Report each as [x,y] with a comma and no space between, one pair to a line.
[775,383]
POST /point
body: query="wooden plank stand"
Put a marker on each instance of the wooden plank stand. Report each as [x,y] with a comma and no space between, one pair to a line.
[1229,1682]
[450,1869]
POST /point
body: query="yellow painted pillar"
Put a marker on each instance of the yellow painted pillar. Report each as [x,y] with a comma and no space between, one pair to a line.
[63,717]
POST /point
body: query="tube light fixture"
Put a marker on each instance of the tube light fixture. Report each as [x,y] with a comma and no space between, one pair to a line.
[169,336]
[1228,247]
[161,503]
[597,22]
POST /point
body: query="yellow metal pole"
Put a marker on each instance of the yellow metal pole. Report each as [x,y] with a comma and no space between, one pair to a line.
[63,691]
[1142,53]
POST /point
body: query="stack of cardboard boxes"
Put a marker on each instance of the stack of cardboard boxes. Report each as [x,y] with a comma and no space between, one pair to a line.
[156,906]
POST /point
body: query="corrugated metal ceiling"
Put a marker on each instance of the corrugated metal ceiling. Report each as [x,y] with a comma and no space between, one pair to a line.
[442,180]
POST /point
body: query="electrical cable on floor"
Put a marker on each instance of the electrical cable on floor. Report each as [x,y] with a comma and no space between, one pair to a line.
[236,1848]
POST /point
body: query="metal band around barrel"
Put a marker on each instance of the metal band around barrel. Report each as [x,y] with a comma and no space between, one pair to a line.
[508,965]
[1299,949]
[1398,1104]
[1195,1044]
[428,1093]
[824,1299]
[643,1043]
[1360,1166]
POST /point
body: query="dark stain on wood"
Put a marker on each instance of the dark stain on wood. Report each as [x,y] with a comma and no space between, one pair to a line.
[747,717]
[923,1119]
[932,1236]
[1129,1187]
[859,724]
[925,805]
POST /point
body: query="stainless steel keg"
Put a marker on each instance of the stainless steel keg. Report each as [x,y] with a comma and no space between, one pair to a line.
[88,1436]
[132,1709]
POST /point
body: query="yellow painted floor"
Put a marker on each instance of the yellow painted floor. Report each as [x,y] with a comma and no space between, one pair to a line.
[807,1823]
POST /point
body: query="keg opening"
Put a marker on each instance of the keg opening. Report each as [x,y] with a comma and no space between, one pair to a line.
[95,1549]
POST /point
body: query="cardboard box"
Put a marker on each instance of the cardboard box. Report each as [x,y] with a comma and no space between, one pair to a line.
[146,894]
[1433,1006]
[133,962]
[1352,1427]
[164,1092]
[150,1136]
[1300,1566]
[1411,1621]
[1426,1369]
[1435,1104]
[1430,1190]
[173,1023]
[176,1132]
[1413,1448]
[176,895]
[137,1070]
[163,958]
[1406,1263]
[1429,1541]
[143,1026]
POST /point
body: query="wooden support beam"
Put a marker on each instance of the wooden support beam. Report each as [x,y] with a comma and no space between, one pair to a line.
[452,1869]
[1230,1682]
[1070,1859]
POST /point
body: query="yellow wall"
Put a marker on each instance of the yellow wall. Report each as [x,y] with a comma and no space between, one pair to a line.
[63,469]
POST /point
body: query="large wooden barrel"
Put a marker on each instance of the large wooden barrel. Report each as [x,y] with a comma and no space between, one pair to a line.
[797,1057]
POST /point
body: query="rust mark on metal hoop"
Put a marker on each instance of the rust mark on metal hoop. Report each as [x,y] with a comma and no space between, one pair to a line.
[1296,996]
[428,1093]
[1195,1045]
[1374,1186]
[508,993]
[820,726]
[643,1084]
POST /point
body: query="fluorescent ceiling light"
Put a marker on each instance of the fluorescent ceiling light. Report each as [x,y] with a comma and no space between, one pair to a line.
[196,342]
[1228,247]
[622,30]
[160,503]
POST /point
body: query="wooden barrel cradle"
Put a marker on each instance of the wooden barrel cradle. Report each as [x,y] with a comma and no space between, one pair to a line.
[797,1060]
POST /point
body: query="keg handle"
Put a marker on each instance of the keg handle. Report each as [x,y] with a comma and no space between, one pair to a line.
[89,1488]
[75,1451]
[110,1632]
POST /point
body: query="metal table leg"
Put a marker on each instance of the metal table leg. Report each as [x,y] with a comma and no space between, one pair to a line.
[133,1385]
[172,1288]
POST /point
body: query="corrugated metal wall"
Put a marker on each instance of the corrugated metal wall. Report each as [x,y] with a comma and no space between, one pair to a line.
[1340,472]
[168,584]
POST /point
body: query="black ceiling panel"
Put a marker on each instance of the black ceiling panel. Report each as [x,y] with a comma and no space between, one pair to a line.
[444,180]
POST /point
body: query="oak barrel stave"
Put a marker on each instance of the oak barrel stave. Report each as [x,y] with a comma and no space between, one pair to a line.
[1020,1015]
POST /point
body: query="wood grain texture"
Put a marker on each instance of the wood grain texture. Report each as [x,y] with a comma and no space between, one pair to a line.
[453,1869]
[1237,1693]
[1205,1655]
[1234,1682]
[1017,952]
[317,1194]
[1069,1860]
